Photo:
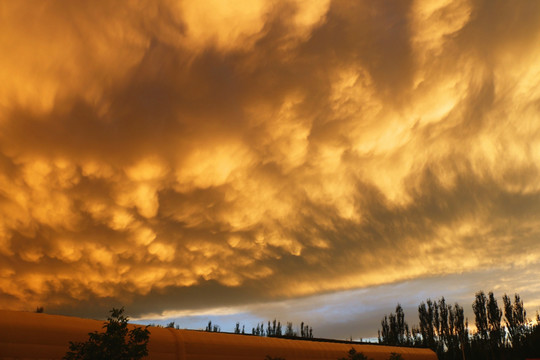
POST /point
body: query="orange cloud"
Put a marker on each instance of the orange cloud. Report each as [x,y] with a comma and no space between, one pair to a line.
[278,149]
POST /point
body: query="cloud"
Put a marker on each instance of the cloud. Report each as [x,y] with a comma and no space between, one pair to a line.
[236,154]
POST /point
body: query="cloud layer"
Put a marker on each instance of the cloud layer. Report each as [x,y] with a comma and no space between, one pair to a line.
[247,151]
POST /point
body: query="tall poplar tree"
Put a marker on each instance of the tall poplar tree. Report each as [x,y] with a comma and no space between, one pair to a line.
[480,315]
[515,318]
[494,315]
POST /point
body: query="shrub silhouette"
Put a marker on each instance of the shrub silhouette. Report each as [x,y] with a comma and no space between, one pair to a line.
[116,343]
[353,355]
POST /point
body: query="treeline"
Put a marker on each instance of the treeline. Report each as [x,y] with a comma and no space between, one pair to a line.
[119,342]
[272,329]
[501,333]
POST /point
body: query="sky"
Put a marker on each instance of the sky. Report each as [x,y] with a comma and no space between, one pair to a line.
[245,160]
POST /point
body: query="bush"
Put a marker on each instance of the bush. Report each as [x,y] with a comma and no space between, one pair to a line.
[353,355]
[112,345]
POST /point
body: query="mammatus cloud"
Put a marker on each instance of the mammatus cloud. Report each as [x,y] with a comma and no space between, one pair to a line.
[157,153]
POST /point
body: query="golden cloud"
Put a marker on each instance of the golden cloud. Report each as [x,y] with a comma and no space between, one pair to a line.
[278,148]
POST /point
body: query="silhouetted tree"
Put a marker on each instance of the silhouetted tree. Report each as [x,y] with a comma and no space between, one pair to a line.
[442,328]
[306,331]
[480,342]
[40,309]
[427,324]
[480,315]
[289,331]
[274,329]
[494,315]
[116,343]
[212,327]
[172,325]
[462,329]
[259,330]
[532,341]
[444,331]
[395,331]
[515,320]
